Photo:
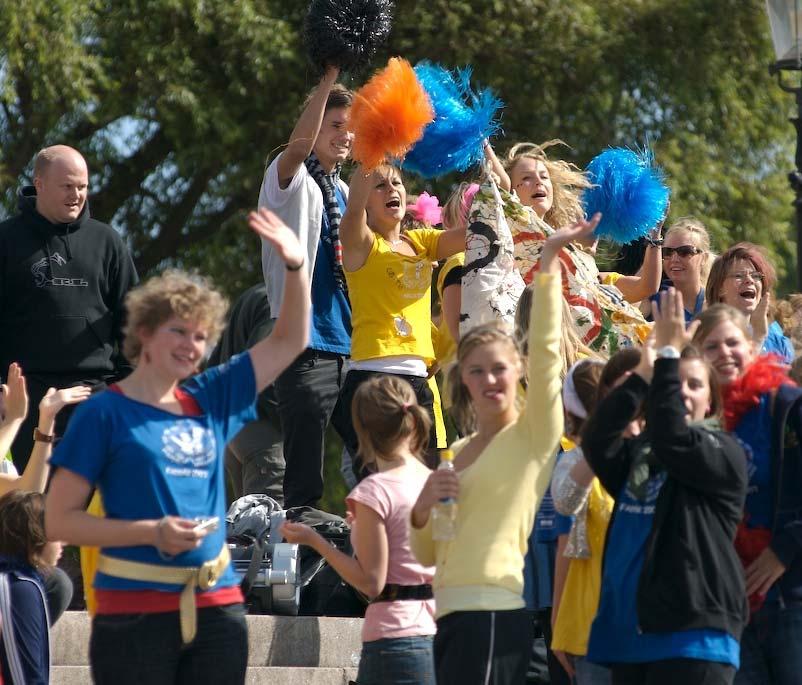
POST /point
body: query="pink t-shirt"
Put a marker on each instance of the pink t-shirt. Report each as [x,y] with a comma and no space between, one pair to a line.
[392,495]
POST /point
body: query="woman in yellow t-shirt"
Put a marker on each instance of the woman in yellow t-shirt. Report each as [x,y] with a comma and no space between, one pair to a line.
[389,275]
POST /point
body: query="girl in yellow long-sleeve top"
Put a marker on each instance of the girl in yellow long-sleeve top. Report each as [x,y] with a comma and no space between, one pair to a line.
[484,635]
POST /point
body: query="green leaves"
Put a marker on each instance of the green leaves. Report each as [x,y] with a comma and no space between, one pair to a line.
[178,103]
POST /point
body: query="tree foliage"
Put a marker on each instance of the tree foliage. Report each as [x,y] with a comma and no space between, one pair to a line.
[178,103]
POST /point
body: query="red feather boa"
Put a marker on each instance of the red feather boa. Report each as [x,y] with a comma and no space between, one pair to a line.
[765,374]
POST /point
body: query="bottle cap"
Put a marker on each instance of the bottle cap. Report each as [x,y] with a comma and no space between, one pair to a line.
[447,455]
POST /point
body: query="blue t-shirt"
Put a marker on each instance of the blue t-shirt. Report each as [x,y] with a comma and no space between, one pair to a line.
[541,553]
[752,432]
[615,636]
[698,305]
[331,311]
[777,343]
[149,463]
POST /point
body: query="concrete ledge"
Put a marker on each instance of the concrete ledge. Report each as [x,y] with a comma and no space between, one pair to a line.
[303,641]
[79,675]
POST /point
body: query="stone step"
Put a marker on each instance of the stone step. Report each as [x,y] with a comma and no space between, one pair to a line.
[257,675]
[301,642]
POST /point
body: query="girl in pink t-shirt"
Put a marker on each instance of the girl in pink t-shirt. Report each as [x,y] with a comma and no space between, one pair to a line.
[393,432]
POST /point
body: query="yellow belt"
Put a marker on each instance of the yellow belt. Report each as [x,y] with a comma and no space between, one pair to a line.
[191,577]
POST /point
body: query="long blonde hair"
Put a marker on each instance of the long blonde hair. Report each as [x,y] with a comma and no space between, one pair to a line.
[567,179]
[572,349]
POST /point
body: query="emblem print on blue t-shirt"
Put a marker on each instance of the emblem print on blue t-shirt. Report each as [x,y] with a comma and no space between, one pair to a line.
[189,444]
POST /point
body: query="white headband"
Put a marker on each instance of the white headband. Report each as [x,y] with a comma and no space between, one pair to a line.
[571,400]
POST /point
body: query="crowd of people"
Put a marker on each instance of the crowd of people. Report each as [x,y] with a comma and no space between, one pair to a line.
[627,444]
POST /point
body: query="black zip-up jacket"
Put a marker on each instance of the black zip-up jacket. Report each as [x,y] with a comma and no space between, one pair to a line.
[692,578]
[61,295]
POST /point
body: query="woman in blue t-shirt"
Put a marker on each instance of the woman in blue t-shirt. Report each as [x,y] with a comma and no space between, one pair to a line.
[672,603]
[169,607]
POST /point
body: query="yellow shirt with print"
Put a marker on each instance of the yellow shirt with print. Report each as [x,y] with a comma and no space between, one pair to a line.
[391,299]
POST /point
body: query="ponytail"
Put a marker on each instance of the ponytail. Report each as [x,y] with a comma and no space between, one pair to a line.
[385,412]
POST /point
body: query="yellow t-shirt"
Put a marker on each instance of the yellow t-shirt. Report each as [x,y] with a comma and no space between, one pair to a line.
[482,568]
[391,299]
[580,598]
[90,557]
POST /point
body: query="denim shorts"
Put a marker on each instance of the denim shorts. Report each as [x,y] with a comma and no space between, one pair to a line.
[397,661]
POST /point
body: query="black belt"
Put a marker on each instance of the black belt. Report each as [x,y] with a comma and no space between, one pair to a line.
[393,592]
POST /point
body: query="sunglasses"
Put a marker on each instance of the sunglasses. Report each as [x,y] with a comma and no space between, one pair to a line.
[683,251]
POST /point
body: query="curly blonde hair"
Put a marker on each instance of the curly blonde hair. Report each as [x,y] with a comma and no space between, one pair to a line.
[173,293]
[567,179]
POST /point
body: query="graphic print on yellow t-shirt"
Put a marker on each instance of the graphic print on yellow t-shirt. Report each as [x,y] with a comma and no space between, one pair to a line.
[391,299]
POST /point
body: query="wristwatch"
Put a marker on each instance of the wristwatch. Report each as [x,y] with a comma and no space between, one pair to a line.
[668,352]
[38,436]
[654,242]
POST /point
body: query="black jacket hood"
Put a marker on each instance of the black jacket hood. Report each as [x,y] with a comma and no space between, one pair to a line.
[26,202]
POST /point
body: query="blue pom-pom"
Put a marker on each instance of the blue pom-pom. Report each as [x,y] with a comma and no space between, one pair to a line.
[629,191]
[464,119]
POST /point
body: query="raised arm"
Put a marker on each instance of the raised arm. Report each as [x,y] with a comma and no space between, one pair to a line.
[290,334]
[451,242]
[497,168]
[647,281]
[707,462]
[15,402]
[543,399]
[304,135]
[34,477]
[355,236]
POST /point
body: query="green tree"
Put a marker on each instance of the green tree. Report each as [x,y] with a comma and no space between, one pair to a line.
[178,103]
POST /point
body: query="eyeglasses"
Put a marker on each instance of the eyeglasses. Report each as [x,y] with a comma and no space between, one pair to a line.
[741,276]
[683,251]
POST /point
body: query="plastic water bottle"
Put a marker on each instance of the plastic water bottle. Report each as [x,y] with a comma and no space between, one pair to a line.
[444,514]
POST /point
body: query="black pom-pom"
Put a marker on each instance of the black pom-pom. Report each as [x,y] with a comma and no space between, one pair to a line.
[346,33]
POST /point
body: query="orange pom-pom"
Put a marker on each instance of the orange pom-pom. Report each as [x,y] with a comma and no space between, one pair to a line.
[389,114]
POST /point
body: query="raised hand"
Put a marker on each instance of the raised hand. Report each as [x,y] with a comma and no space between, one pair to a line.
[669,321]
[564,236]
[55,400]
[760,319]
[268,226]
[15,394]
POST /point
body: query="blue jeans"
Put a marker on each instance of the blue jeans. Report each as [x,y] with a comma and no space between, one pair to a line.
[397,661]
[132,649]
[771,647]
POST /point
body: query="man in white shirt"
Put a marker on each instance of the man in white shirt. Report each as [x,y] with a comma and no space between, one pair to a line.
[303,187]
